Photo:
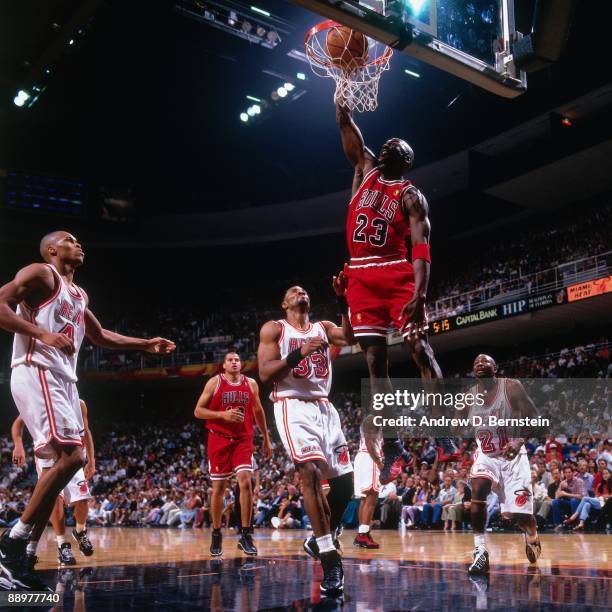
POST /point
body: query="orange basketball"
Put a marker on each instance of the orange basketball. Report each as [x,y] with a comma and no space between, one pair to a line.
[347,49]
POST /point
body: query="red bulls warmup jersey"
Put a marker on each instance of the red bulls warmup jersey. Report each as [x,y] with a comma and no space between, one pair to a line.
[236,396]
[376,226]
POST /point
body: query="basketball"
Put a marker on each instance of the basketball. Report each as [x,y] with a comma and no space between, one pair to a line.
[347,49]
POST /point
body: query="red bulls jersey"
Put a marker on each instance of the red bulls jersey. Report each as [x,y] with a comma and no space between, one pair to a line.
[376,227]
[237,396]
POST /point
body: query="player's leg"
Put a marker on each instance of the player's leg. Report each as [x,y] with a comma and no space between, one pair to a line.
[216,511]
[481,487]
[13,544]
[517,503]
[245,543]
[367,508]
[79,533]
[58,522]
[394,454]
[423,356]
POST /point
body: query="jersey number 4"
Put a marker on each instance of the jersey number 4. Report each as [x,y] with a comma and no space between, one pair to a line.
[376,234]
[68,330]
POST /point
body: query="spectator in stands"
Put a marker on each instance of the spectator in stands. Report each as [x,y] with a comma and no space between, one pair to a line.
[421,496]
[453,513]
[588,504]
[432,512]
[583,473]
[571,490]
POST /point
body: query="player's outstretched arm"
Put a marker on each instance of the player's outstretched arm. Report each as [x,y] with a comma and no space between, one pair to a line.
[353,145]
[17,437]
[260,419]
[90,451]
[108,339]
[343,335]
[35,282]
[416,208]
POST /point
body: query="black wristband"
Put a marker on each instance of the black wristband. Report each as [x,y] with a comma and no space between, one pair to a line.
[294,357]
[342,304]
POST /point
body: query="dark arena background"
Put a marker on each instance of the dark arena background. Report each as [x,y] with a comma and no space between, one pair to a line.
[195,155]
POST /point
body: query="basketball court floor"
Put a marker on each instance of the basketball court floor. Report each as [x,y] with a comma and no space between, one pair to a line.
[171,569]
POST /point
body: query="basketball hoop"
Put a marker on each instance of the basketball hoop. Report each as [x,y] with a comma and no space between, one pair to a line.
[356,79]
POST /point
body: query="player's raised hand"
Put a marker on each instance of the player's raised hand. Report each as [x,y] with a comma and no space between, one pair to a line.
[160,346]
[18,455]
[511,449]
[312,345]
[58,341]
[233,416]
[340,282]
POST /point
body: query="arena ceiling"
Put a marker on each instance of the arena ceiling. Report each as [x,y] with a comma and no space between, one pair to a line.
[151,99]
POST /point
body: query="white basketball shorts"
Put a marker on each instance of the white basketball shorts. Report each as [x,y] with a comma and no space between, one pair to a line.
[49,406]
[367,474]
[311,431]
[511,480]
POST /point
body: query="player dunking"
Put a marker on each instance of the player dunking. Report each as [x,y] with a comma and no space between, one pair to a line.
[501,462]
[76,494]
[294,354]
[52,318]
[385,291]
[229,403]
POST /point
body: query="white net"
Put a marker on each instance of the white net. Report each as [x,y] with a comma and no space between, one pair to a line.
[356,74]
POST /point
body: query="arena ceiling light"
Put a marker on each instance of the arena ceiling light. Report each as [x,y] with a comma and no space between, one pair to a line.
[289,87]
[256,9]
[412,73]
[416,5]
[21,98]
[244,117]
[301,76]
[282,92]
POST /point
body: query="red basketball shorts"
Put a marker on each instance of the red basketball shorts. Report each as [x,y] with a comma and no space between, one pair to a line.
[228,456]
[376,295]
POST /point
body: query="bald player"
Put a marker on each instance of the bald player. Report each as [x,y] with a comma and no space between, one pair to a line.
[500,461]
[50,315]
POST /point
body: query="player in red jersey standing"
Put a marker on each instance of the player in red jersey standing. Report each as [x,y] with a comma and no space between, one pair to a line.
[386,292]
[52,317]
[229,403]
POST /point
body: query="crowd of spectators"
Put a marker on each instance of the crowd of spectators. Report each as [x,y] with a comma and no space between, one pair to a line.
[530,255]
[157,475]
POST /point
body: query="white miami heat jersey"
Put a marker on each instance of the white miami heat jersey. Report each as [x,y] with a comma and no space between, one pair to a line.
[312,377]
[491,439]
[62,313]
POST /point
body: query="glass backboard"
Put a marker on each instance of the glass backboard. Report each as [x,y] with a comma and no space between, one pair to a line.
[471,39]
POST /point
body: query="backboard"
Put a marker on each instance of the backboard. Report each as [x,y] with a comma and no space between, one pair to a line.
[471,39]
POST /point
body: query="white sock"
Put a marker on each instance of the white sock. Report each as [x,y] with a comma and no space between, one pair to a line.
[60,540]
[21,531]
[80,528]
[326,544]
[479,540]
[31,548]
[364,528]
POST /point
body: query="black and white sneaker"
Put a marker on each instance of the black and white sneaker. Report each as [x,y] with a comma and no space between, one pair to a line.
[332,584]
[82,539]
[533,550]
[216,544]
[312,548]
[64,554]
[13,566]
[480,561]
[246,544]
